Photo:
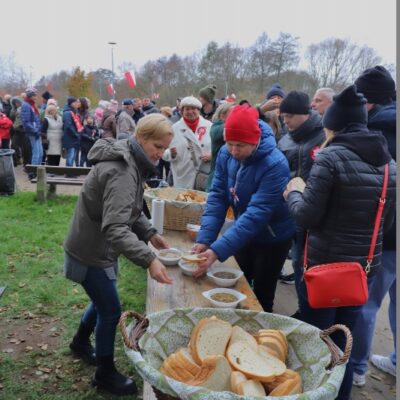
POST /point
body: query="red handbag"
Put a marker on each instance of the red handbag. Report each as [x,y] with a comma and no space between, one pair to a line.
[342,284]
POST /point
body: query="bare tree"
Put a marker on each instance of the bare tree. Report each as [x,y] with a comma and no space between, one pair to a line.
[284,53]
[337,62]
[260,59]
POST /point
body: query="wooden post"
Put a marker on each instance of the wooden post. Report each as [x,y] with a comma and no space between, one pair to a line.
[41,186]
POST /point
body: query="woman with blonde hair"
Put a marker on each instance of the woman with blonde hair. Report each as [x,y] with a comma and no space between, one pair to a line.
[52,132]
[109,222]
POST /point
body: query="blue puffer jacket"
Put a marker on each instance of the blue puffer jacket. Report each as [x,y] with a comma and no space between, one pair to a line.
[30,120]
[261,213]
[71,136]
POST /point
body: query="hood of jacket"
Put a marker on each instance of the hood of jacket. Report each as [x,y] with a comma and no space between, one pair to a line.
[370,146]
[308,128]
[382,117]
[266,145]
[110,149]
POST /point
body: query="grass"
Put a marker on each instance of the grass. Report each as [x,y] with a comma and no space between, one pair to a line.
[40,309]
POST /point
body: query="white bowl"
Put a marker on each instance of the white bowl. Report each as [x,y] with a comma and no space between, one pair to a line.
[187,267]
[169,260]
[224,282]
[221,304]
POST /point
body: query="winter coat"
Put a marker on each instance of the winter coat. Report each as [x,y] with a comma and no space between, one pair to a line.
[71,136]
[88,137]
[30,120]
[5,127]
[138,114]
[208,116]
[340,201]
[183,169]
[254,189]
[108,124]
[383,118]
[125,123]
[217,141]
[108,219]
[150,109]
[53,128]
[299,146]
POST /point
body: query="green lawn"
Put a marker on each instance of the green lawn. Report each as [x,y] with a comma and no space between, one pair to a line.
[40,309]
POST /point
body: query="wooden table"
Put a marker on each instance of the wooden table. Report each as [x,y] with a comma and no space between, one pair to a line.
[186,290]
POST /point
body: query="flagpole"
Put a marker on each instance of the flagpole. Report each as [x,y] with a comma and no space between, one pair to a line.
[112,66]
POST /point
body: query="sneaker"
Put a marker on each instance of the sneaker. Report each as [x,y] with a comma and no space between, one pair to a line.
[358,380]
[384,364]
[288,279]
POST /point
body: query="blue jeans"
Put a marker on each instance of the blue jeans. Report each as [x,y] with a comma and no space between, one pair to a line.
[384,281]
[105,310]
[71,152]
[37,149]
[324,318]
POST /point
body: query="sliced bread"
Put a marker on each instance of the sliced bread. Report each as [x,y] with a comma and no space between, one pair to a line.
[237,378]
[251,388]
[215,374]
[253,364]
[210,337]
[239,333]
[286,388]
[288,374]
[186,360]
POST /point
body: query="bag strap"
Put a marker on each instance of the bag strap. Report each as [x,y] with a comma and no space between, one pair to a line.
[192,154]
[378,217]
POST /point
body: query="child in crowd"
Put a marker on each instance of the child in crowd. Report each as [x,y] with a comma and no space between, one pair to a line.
[89,136]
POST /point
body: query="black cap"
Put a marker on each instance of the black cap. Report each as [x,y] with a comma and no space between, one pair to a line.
[71,99]
[348,107]
[296,103]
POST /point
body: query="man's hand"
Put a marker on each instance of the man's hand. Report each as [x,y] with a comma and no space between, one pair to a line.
[203,267]
[159,242]
[173,152]
[158,272]
[296,184]
[205,157]
[199,248]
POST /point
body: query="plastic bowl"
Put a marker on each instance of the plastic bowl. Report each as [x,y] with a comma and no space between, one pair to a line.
[187,267]
[221,304]
[174,255]
[192,231]
[224,282]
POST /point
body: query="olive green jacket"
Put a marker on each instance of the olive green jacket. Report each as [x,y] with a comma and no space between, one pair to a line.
[108,219]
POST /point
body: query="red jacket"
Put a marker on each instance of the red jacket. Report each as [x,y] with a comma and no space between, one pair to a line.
[5,127]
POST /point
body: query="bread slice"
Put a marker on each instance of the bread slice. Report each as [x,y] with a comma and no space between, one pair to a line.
[288,374]
[251,388]
[263,349]
[186,360]
[210,338]
[275,345]
[173,368]
[237,378]
[253,364]
[239,333]
[193,258]
[275,334]
[217,376]
[288,387]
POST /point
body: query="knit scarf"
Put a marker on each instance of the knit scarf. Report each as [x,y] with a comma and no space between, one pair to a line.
[33,105]
[77,122]
[192,124]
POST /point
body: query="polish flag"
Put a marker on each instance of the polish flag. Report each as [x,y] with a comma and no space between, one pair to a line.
[130,77]
[110,89]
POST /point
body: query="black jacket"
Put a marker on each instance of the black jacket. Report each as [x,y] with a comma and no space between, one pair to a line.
[340,201]
[299,145]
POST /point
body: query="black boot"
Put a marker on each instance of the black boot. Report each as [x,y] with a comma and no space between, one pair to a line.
[81,345]
[109,379]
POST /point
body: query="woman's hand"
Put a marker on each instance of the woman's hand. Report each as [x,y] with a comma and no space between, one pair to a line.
[295,185]
[199,248]
[203,267]
[205,157]
[158,272]
[159,242]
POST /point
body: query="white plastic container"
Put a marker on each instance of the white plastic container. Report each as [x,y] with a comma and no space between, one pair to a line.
[224,282]
[221,304]
[173,258]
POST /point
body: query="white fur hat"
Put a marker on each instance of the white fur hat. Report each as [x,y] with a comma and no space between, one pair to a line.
[190,101]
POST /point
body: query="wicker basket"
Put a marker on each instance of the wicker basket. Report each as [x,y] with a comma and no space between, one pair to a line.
[335,368]
[177,214]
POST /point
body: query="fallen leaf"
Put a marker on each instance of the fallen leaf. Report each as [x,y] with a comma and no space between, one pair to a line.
[76,291]
[8,351]
[15,341]
[53,329]
[28,348]
[21,285]
[45,370]
[376,377]
[1,386]
[44,347]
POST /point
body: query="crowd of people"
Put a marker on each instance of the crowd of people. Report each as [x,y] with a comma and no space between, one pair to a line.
[297,173]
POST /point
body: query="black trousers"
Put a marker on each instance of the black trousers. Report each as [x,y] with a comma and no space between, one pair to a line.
[262,264]
[53,159]
[22,146]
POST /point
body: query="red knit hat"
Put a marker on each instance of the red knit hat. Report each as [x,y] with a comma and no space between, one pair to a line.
[242,125]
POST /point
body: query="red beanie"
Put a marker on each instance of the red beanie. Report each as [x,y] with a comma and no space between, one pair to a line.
[242,125]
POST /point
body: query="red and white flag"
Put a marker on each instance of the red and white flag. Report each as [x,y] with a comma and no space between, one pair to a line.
[130,77]
[110,89]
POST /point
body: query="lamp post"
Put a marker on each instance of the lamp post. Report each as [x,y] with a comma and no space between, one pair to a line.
[112,66]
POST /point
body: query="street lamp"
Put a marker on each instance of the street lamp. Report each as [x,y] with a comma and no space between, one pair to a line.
[112,44]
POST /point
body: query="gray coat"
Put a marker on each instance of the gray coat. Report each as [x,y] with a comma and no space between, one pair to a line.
[108,219]
[125,123]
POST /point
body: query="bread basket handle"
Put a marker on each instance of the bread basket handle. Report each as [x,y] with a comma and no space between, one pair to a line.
[335,352]
[131,339]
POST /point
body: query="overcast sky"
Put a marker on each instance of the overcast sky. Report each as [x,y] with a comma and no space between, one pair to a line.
[50,35]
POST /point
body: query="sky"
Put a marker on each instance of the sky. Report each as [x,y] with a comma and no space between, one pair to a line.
[51,35]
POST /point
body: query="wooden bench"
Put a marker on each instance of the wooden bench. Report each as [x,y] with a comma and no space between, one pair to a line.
[55,175]
[186,291]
